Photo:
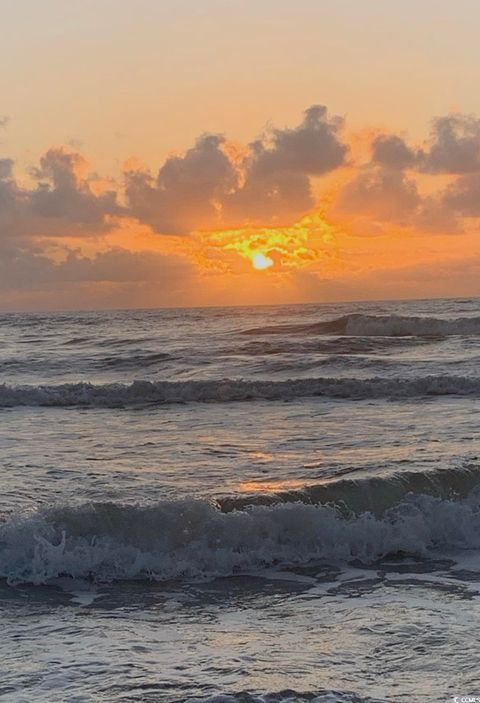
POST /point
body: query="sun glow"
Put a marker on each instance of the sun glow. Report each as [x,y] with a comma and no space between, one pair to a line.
[297,246]
[260,261]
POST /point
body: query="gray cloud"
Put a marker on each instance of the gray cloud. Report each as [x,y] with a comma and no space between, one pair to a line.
[6,169]
[30,270]
[454,145]
[63,194]
[276,187]
[463,196]
[62,203]
[391,151]
[383,193]
[186,192]
[269,198]
[203,189]
[313,148]
[390,195]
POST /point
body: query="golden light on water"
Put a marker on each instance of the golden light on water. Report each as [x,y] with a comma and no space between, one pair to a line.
[260,261]
[272,485]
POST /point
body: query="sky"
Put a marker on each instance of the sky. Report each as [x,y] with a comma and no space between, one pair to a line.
[223,152]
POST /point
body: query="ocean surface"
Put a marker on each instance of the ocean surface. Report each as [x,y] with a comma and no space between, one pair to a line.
[241,505]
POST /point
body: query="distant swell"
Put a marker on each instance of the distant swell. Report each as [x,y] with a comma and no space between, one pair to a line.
[374,494]
[358,325]
[229,390]
[197,539]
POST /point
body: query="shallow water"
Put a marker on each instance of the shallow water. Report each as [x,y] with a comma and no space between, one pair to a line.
[283,506]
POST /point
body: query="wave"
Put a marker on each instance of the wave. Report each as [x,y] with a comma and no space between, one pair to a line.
[287,696]
[337,345]
[193,538]
[358,325]
[136,361]
[374,494]
[111,395]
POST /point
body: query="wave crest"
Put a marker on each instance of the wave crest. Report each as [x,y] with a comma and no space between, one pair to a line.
[359,325]
[112,395]
[195,538]
[374,494]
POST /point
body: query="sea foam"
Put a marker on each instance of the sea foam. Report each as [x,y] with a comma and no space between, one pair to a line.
[229,390]
[178,539]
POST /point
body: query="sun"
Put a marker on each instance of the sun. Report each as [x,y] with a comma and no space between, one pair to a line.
[260,261]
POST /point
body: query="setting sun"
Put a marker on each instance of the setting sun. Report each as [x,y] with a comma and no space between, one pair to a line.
[260,261]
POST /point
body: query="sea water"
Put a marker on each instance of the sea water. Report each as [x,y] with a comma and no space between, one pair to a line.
[241,504]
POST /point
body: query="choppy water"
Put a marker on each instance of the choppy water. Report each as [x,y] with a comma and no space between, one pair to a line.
[241,505]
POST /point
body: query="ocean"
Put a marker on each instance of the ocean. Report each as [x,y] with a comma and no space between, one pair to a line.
[241,505]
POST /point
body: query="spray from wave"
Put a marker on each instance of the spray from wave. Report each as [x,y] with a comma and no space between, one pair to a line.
[228,390]
[176,539]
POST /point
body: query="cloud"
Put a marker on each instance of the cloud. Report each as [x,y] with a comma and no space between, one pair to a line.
[6,169]
[454,145]
[270,184]
[463,195]
[383,193]
[313,148]
[391,151]
[65,191]
[115,278]
[204,189]
[274,198]
[276,186]
[386,189]
[4,120]
[29,270]
[62,203]
[254,195]
[187,190]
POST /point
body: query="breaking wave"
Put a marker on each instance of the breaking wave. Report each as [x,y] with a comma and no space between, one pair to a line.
[373,494]
[287,696]
[228,390]
[358,325]
[193,538]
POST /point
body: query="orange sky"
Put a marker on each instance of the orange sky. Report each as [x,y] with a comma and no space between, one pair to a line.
[170,154]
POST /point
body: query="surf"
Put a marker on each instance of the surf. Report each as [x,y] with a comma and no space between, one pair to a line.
[111,395]
[360,325]
[197,538]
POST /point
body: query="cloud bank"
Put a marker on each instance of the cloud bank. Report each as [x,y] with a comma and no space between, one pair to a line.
[61,223]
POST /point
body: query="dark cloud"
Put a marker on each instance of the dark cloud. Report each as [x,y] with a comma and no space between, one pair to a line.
[208,188]
[386,188]
[454,145]
[463,195]
[203,189]
[391,151]
[188,190]
[28,270]
[62,203]
[13,202]
[269,198]
[391,196]
[276,187]
[6,169]
[385,194]
[313,148]
[63,193]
